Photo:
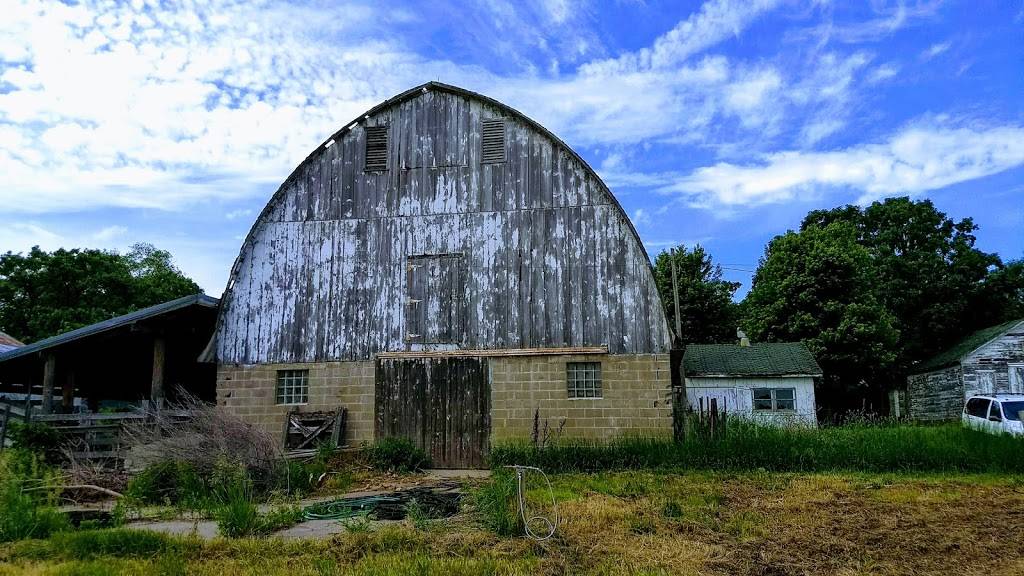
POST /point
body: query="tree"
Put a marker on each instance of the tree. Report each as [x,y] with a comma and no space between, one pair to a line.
[46,293]
[707,311]
[817,286]
[929,274]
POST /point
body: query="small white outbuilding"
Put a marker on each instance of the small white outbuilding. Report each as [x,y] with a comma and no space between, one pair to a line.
[771,383]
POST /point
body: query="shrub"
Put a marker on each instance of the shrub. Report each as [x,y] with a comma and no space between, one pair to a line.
[28,497]
[168,482]
[37,437]
[397,455]
[498,505]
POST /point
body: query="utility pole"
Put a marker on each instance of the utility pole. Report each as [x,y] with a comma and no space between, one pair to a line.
[675,299]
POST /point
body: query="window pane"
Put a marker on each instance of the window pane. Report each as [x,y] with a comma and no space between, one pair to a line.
[994,411]
[292,386]
[784,394]
[762,394]
[583,379]
[784,404]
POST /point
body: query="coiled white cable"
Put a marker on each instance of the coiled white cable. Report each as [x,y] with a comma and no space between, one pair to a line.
[550,525]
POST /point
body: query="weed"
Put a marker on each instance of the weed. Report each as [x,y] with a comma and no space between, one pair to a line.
[238,516]
[28,497]
[642,524]
[280,518]
[357,524]
[417,514]
[37,437]
[672,510]
[496,502]
[116,542]
[397,455]
[325,567]
[751,446]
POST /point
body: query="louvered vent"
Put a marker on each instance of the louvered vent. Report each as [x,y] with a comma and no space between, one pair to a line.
[493,142]
[376,148]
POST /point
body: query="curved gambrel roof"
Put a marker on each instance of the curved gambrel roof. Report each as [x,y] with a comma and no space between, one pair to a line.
[296,174]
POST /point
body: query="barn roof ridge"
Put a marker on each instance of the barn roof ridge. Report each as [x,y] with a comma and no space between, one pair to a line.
[111,323]
[761,359]
[968,344]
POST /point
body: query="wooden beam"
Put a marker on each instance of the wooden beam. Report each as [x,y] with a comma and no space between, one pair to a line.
[156,390]
[496,352]
[49,377]
[675,300]
[68,392]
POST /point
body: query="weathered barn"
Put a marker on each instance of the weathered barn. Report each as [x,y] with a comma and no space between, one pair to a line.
[445,269]
[989,361]
[772,383]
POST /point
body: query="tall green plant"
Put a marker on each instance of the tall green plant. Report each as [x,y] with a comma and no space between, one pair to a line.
[29,492]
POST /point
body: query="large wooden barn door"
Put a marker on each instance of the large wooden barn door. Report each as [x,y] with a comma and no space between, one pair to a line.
[441,404]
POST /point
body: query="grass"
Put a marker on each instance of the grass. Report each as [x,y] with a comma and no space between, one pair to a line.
[29,491]
[627,522]
[746,446]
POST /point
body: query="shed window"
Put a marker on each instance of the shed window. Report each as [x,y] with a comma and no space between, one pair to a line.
[1016,378]
[292,386]
[376,148]
[583,379]
[492,142]
[775,399]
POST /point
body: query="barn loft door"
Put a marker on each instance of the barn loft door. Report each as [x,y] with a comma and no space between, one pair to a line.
[435,292]
[441,404]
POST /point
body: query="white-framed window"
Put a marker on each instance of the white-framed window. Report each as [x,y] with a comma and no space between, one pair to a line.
[583,379]
[986,381]
[292,386]
[774,399]
[1016,378]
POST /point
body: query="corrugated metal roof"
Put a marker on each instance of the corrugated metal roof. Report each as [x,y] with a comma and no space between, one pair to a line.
[170,306]
[768,359]
[952,356]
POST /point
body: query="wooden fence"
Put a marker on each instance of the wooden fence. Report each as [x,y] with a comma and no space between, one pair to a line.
[92,435]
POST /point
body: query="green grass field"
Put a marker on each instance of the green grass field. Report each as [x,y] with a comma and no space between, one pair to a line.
[632,522]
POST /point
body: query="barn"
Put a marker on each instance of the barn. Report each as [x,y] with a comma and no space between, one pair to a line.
[772,383]
[445,269]
[988,361]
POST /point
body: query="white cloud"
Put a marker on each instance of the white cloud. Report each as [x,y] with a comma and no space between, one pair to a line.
[935,49]
[240,213]
[110,233]
[883,72]
[641,217]
[914,160]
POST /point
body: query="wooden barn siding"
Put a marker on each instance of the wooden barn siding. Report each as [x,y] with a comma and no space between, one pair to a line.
[937,395]
[549,256]
[996,356]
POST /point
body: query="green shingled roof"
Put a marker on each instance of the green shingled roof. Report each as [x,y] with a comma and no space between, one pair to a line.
[775,359]
[952,356]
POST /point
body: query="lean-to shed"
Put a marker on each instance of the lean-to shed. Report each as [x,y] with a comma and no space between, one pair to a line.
[445,269]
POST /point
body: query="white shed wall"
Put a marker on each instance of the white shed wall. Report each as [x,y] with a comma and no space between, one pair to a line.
[736,394]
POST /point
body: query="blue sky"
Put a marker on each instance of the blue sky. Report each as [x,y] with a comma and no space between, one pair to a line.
[720,122]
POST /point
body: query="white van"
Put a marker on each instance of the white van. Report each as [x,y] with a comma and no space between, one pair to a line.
[998,414]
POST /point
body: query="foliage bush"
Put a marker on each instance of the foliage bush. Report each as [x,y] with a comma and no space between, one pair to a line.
[750,446]
[29,492]
[38,437]
[238,516]
[397,455]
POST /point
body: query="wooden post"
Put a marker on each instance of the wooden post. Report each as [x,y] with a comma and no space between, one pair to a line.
[3,425]
[675,299]
[49,377]
[156,391]
[68,393]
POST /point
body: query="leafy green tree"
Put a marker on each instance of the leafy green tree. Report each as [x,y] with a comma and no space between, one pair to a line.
[706,309]
[817,287]
[46,293]
[929,274]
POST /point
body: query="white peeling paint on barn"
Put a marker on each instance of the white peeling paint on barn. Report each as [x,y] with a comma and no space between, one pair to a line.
[543,254]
